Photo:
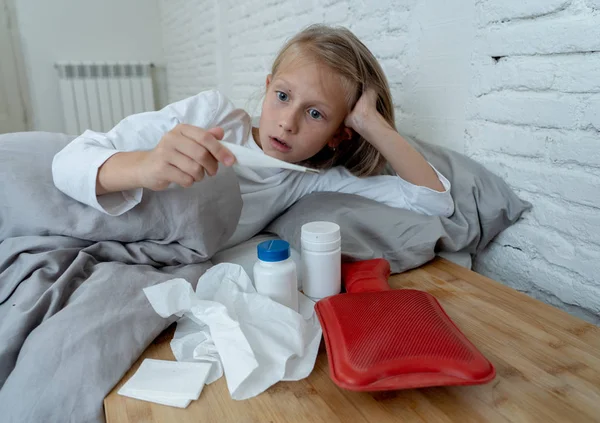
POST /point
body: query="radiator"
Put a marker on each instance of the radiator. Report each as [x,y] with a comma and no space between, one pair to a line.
[98,95]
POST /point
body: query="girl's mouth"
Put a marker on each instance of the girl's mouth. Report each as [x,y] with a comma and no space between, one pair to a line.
[279,144]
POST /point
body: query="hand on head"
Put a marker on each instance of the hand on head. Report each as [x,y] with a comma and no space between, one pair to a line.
[365,113]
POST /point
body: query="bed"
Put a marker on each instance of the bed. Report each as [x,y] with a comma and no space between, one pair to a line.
[73,317]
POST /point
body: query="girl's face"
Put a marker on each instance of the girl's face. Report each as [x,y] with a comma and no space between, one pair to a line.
[303,111]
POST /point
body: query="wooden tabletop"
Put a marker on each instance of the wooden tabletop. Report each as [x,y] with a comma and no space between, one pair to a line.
[547,363]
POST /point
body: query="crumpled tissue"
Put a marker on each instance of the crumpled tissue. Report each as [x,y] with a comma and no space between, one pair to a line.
[254,340]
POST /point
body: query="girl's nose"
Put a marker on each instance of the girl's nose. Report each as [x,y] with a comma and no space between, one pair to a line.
[288,122]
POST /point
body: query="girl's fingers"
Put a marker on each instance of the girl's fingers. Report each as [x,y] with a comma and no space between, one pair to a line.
[187,165]
[179,177]
[209,163]
[217,132]
[203,158]
[210,141]
[188,147]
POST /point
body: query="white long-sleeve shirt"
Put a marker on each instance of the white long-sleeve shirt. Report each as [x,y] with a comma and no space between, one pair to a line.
[265,192]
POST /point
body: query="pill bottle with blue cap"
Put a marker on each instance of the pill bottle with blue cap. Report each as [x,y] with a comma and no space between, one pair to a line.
[275,273]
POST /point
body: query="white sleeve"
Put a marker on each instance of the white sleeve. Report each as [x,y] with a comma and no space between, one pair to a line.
[75,168]
[390,190]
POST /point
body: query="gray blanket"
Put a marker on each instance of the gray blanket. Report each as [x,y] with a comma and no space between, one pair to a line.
[73,316]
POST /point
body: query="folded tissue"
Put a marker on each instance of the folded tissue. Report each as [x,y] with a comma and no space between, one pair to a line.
[255,341]
[167,382]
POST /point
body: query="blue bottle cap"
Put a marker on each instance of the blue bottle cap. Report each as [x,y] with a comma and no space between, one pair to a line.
[271,251]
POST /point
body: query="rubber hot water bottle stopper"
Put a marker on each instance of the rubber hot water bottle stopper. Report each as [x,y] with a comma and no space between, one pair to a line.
[379,339]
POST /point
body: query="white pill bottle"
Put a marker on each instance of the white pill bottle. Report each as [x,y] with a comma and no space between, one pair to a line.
[321,255]
[275,273]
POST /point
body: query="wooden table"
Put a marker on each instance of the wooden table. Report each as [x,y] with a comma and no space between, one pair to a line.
[547,363]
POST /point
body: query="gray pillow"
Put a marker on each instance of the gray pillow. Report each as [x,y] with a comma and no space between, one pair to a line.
[200,218]
[484,206]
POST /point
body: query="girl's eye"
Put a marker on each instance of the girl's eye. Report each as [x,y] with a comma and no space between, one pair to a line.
[315,114]
[282,96]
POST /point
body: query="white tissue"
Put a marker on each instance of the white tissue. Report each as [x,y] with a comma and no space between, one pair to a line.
[167,382]
[257,340]
[193,342]
[179,403]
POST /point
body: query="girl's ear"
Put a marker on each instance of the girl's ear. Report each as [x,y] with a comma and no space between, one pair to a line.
[342,134]
[268,81]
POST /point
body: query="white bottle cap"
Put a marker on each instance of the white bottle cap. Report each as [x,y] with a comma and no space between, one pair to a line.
[320,236]
[320,232]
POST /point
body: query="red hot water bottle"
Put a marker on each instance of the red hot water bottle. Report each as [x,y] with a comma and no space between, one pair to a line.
[379,339]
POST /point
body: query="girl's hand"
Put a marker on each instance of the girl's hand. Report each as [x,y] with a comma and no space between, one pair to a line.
[408,163]
[183,156]
[365,118]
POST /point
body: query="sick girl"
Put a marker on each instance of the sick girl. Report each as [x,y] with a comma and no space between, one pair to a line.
[327,105]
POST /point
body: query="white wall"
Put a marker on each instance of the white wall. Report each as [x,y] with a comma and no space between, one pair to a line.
[534,119]
[515,84]
[61,30]
[190,55]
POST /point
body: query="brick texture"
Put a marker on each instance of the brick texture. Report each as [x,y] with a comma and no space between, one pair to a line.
[514,84]
[533,118]
[489,11]
[189,37]
[568,34]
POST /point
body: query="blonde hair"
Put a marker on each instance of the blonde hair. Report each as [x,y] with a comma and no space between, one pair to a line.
[341,51]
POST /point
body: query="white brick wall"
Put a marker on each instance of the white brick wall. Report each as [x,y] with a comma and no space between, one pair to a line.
[515,84]
[533,119]
[190,41]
